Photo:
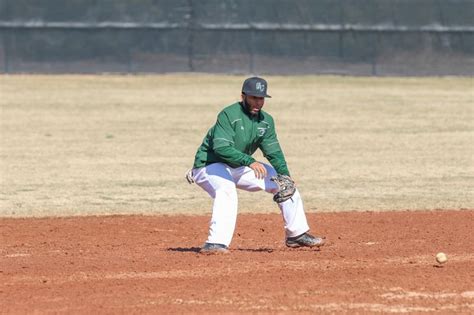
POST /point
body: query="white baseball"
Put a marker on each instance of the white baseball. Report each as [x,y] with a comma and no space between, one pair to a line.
[441,258]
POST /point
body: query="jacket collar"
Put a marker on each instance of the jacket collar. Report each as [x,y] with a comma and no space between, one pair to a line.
[258,117]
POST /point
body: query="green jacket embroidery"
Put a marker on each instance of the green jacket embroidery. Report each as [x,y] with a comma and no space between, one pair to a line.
[236,135]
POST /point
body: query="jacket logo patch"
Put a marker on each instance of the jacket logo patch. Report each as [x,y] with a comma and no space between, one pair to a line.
[261,131]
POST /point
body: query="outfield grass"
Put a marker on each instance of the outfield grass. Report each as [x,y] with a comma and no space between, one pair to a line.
[73,145]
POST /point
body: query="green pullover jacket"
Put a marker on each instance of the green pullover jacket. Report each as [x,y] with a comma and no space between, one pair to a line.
[237,135]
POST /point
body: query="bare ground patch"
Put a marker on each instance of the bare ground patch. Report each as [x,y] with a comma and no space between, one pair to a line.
[374,262]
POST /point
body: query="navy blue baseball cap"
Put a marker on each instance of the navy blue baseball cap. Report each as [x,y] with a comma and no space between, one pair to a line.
[255,86]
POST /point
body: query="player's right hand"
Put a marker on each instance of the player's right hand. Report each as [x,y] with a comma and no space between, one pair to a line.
[259,170]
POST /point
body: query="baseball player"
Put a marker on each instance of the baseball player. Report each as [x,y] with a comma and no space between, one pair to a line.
[224,163]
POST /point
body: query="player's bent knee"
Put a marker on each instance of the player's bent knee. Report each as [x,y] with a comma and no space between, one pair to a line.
[270,170]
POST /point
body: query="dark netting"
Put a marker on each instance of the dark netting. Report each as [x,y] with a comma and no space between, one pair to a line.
[361,37]
[87,51]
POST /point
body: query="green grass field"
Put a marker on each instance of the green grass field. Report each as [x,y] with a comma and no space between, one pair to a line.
[74,145]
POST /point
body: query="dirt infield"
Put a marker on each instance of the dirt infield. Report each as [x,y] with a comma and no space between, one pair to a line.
[374,262]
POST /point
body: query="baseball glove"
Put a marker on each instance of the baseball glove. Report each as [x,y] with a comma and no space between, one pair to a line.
[286,188]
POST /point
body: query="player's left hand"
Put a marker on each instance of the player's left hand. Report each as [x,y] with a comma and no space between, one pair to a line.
[286,188]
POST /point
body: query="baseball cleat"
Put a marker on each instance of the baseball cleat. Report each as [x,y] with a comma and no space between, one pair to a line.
[304,240]
[213,248]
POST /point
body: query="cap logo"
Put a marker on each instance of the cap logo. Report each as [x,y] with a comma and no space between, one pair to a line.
[260,87]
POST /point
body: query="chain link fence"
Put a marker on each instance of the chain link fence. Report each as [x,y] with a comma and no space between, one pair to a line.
[357,37]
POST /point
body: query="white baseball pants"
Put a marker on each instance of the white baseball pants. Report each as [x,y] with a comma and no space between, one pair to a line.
[221,181]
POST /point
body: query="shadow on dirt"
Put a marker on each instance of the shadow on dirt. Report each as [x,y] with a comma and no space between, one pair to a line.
[258,250]
[184,249]
[197,249]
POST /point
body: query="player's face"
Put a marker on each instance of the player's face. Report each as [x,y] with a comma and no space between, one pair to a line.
[254,103]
